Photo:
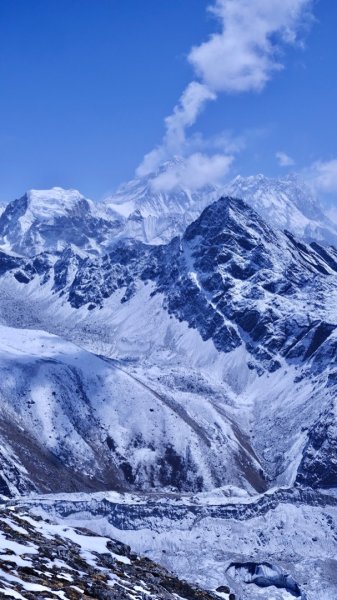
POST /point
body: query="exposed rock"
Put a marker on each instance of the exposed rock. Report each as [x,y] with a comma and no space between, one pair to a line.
[40,559]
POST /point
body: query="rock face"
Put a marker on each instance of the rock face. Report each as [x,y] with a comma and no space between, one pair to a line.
[40,559]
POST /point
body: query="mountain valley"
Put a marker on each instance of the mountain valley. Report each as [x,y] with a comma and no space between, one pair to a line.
[168,377]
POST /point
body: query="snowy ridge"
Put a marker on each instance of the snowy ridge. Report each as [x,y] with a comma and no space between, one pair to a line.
[49,219]
[156,216]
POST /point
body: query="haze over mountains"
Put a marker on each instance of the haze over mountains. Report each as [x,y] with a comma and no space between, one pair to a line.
[178,348]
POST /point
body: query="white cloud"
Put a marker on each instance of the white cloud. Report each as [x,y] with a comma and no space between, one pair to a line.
[194,172]
[331,212]
[242,57]
[322,176]
[284,160]
[246,52]
[185,113]
[225,142]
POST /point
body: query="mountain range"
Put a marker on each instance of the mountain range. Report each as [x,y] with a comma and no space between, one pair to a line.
[178,351]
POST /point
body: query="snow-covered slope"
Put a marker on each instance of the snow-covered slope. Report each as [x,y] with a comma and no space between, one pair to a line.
[50,220]
[94,426]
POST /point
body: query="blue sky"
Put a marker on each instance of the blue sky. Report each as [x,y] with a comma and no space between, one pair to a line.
[86,85]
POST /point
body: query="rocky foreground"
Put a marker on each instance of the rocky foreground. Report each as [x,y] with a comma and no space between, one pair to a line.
[39,559]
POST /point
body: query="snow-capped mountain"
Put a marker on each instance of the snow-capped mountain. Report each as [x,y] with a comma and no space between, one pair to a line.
[50,220]
[155,216]
[195,373]
[286,203]
[233,307]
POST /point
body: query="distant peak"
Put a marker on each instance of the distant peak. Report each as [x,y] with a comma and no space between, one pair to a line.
[54,193]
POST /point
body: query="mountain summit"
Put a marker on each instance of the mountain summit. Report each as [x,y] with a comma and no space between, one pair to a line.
[286,203]
[49,220]
[155,215]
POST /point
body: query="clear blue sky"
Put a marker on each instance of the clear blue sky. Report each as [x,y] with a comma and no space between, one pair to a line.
[86,84]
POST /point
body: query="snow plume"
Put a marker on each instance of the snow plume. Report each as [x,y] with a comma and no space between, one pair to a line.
[196,171]
[184,115]
[241,57]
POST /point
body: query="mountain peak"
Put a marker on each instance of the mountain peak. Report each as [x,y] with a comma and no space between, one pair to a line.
[285,203]
[164,213]
[50,203]
[168,164]
[51,219]
[230,214]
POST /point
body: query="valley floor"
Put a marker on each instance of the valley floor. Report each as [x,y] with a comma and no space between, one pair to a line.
[216,539]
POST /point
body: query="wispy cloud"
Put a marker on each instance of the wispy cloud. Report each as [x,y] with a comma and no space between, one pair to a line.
[284,160]
[322,176]
[185,114]
[195,172]
[332,214]
[241,57]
